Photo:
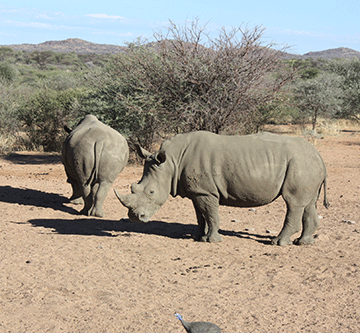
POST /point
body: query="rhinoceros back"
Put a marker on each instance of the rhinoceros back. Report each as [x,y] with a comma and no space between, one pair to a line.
[94,150]
[242,171]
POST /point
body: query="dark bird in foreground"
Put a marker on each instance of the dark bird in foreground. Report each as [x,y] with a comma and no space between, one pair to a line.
[198,326]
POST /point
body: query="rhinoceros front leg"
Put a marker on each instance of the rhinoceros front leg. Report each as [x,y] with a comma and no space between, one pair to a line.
[202,230]
[292,225]
[207,213]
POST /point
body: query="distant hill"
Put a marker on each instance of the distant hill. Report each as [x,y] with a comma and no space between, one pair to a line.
[76,45]
[341,52]
[81,46]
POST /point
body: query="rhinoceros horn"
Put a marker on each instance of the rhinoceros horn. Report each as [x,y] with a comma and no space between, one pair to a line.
[124,199]
[143,153]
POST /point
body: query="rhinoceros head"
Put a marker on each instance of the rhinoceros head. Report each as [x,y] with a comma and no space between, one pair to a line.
[151,192]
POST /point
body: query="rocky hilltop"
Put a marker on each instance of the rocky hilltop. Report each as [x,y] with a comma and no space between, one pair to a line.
[81,46]
[77,45]
[341,52]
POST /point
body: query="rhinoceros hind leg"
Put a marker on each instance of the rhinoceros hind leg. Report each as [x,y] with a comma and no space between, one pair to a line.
[88,200]
[292,225]
[310,223]
[76,197]
[99,193]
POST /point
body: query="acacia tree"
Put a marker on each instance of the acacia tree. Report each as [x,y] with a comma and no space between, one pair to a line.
[349,70]
[187,80]
[41,58]
[319,96]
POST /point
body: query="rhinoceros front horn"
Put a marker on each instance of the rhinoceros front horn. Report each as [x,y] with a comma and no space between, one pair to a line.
[124,199]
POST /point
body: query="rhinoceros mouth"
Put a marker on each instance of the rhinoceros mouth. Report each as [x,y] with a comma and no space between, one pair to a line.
[137,218]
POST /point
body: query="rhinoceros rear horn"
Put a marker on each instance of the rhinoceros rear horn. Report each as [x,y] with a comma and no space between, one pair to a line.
[143,153]
[124,199]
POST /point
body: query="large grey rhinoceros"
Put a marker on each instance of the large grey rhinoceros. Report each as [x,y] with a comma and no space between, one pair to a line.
[93,155]
[240,171]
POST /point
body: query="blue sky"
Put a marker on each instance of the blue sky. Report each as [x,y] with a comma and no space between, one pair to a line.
[303,25]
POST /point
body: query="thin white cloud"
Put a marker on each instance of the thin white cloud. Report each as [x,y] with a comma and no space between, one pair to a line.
[303,33]
[28,24]
[323,36]
[119,34]
[8,10]
[38,25]
[106,16]
[43,16]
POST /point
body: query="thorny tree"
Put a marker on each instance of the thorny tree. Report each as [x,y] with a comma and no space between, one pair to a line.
[187,80]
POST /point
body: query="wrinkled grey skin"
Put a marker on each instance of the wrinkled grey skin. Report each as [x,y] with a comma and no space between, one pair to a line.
[240,171]
[93,155]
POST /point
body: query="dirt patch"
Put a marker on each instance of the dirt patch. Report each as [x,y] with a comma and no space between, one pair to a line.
[64,272]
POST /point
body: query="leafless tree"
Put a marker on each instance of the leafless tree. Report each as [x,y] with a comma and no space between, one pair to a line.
[188,80]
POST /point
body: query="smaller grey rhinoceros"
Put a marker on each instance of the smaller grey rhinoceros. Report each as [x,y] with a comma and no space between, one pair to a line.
[93,155]
[240,171]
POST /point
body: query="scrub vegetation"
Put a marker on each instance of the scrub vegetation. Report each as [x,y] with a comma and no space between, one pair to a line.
[181,81]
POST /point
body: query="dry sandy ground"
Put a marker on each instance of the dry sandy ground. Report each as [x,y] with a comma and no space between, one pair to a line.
[63,272]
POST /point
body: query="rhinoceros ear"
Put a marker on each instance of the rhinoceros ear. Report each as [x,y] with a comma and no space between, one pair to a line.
[67,129]
[160,156]
[143,153]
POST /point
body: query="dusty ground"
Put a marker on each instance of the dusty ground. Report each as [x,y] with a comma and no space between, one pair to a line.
[63,272]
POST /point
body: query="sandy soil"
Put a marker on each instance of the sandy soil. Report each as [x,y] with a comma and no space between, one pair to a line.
[63,272]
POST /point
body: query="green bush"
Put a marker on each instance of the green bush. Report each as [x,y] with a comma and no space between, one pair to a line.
[45,114]
[7,72]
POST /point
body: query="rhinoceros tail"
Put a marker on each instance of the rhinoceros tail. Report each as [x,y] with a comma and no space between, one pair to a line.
[326,201]
[98,148]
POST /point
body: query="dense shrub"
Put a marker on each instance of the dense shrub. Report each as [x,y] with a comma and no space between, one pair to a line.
[183,80]
[319,96]
[45,114]
[7,72]
[349,71]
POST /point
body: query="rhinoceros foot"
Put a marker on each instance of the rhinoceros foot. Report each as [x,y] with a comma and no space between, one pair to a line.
[96,212]
[211,239]
[304,240]
[76,201]
[92,212]
[282,241]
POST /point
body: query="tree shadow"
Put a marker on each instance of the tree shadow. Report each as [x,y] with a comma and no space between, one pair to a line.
[349,131]
[29,197]
[100,227]
[351,143]
[34,159]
